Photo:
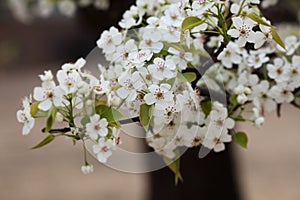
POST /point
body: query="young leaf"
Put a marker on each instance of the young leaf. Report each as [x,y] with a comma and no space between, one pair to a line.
[190,76]
[34,109]
[46,141]
[191,22]
[255,17]
[241,139]
[206,107]
[51,119]
[146,112]
[175,168]
[111,114]
[297,94]
[85,120]
[276,37]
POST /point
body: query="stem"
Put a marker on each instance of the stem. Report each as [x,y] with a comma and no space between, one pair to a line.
[84,153]
[241,8]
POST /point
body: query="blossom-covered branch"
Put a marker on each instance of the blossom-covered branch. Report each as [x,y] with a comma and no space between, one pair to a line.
[186,69]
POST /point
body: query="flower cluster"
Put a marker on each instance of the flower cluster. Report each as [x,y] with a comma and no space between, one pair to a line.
[188,70]
[77,102]
[26,9]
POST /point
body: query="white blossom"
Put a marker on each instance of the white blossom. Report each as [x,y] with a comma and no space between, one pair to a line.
[243,31]
[109,40]
[24,117]
[87,169]
[159,94]
[97,127]
[103,149]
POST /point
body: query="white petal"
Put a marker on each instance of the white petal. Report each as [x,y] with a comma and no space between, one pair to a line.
[45,105]
[234,33]
[149,99]
[123,92]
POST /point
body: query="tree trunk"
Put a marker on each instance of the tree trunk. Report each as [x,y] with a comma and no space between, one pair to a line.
[209,178]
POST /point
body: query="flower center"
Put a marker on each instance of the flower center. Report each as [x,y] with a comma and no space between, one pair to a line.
[159,95]
[97,127]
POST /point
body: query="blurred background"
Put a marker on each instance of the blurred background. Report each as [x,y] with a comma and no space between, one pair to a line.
[268,169]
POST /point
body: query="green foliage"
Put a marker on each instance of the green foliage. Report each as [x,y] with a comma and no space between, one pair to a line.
[34,109]
[46,141]
[187,76]
[276,37]
[206,107]
[255,17]
[174,166]
[111,114]
[297,94]
[50,119]
[241,139]
[146,112]
[191,22]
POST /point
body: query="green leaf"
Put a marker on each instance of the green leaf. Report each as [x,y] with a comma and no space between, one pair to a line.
[111,114]
[190,76]
[241,139]
[46,141]
[297,94]
[146,112]
[85,120]
[50,119]
[255,17]
[171,81]
[276,37]
[34,109]
[191,22]
[174,166]
[239,118]
[206,107]
[187,76]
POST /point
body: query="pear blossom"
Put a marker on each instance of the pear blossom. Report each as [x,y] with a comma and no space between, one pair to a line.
[268,3]
[67,7]
[262,97]
[229,55]
[123,52]
[109,40]
[48,96]
[97,127]
[70,67]
[278,71]
[162,146]
[150,44]
[68,81]
[102,87]
[101,4]
[103,149]
[243,31]
[24,117]
[294,72]
[87,169]
[131,17]
[173,15]
[282,93]
[257,59]
[217,130]
[159,94]
[47,79]
[164,114]
[130,84]
[258,120]
[291,45]
[180,57]
[162,68]
[263,36]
